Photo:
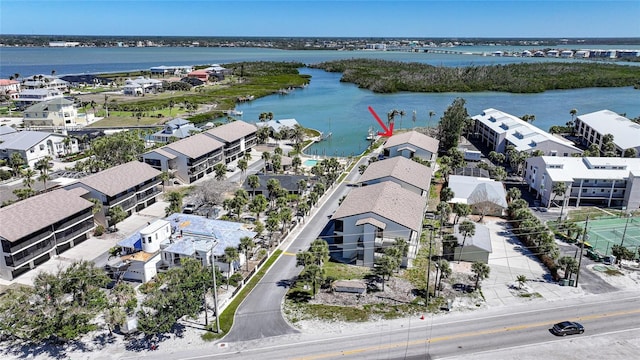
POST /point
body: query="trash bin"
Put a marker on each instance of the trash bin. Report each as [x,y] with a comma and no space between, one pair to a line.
[572,282]
[564,282]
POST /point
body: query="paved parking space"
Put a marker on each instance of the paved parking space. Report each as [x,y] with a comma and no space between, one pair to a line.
[510,259]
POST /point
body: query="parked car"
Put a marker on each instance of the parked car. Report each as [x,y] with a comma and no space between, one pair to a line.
[189,209]
[567,328]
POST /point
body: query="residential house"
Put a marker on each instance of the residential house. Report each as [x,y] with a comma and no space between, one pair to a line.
[171,70]
[174,129]
[58,112]
[237,136]
[29,97]
[602,181]
[372,217]
[498,130]
[35,145]
[412,144]
[202,75]
[592,127]
[10,87]
[275,126]
[35,229]
[476,247]
[132,186]
[411,175]
[45,82]
[485,196]
[188,159]
[141,86]
[83,80]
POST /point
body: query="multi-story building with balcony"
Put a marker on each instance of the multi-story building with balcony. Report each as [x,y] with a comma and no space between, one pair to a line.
[498,130]
[371,218]
[35,229]
[602,181]
[238,137]
[592,127]
[188,159]
[132,186]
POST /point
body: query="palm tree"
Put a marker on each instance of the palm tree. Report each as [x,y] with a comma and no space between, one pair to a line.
[116,215]
[521,279]
[246,244]
[28,175]
[445,271]
[320,250]
[220,171]
[570,265]
[296,162]
[315,274]
[253,181]
[431,114]
[16,161]
[243,165]
[481,270]
[466,229]
[230,254]
[265,157]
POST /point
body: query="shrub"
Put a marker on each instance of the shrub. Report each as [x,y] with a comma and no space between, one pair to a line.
[235,279]
[98,231]
[5,175]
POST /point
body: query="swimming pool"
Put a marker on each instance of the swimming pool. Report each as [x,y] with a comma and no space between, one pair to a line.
[310,162]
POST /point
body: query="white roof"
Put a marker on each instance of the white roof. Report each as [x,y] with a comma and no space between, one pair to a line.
[626,133]
[521,134]
[467,188]
[609,168]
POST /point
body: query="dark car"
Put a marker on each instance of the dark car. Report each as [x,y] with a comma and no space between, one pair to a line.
[567,328]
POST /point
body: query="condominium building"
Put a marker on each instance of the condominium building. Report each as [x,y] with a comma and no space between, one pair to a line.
[35,229]
[592,127]
[603,181]
[498,130]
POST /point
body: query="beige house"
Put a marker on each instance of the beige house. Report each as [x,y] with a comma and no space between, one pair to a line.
[58,112]
[409,174]
[238,137]
[412,144]
[372,217]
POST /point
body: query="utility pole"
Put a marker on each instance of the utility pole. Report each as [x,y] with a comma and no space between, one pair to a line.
[584,238]
[429,264]
[624,233]
[215,291]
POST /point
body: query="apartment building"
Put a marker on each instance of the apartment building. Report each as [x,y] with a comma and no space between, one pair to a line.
[498,130]
[592,127]
[132,186]
[602,181]
[35,229]
[238,137]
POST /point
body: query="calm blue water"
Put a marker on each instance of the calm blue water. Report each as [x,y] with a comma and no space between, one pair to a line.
[326,104]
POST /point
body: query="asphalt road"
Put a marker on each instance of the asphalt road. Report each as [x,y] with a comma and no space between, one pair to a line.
[520,330]
[260,314]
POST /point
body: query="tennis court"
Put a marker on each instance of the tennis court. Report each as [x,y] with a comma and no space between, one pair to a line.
[603,233]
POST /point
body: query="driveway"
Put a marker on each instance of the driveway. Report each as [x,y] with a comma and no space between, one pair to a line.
[510,259]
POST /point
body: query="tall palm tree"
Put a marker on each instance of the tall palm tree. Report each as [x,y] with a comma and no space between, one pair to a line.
[28,175]
[467,229]
[246,244]
[315,274]
[481,270]
[230,254]
[16,161]
[266,156]
[253,181]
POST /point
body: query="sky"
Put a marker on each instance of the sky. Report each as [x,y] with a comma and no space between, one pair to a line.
[324,18]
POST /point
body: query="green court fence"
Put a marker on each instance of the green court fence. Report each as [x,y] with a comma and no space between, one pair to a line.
[603,233]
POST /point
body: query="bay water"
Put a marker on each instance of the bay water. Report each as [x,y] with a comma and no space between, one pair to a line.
[327,104]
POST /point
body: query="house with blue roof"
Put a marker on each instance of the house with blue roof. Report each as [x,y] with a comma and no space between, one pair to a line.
[163,244]
[177,128]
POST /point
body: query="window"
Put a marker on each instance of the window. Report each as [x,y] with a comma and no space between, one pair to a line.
[584,190]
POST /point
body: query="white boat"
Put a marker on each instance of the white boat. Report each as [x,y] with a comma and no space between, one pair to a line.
[371,135]
[235,112]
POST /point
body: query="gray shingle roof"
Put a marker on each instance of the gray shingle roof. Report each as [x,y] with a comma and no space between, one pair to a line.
[120,178]
[388,200]
[481,239]
[232,131]
[401,168]
[44,105]
[32,214]
[414,138]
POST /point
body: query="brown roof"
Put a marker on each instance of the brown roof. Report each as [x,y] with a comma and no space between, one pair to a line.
[195,146]
[388,200]
[164,153]
[120,178]
[414,138]
[401,168]
[35,213]
[232,131]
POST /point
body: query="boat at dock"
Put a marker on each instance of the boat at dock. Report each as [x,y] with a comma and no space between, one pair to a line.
[371,135]
[235,112]
[324,136]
